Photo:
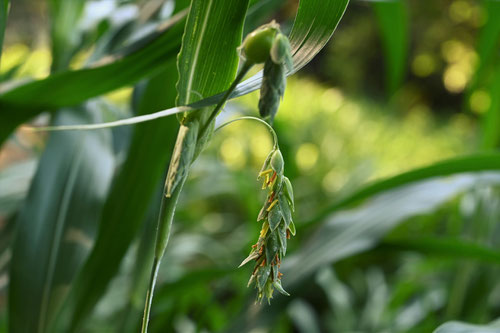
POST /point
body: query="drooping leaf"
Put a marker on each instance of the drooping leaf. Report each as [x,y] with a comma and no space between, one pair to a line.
[443,246]
[69,88]
[392,18]
[310,33]
[460,327]
[352,231]
[56,226]
[480,162]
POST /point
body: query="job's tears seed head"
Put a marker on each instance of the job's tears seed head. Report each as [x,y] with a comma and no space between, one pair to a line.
[257,45]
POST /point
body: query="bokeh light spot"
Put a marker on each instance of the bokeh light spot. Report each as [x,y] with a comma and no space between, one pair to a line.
[480,101]
[423,65]
[231,152]
[307,156]
[454,79]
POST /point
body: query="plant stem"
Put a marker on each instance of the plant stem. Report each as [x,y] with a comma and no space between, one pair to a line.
[244,70]
[167,210]
[269,127]
[168,205]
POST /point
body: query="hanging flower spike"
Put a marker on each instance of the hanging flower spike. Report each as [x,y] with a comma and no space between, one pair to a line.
[276,228]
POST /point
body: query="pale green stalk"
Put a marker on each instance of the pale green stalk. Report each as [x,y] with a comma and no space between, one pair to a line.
[168,205]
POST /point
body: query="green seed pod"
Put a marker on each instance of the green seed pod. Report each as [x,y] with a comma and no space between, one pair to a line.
[272,90]
[281,51]
[257,45]
[277,163]
[288,189]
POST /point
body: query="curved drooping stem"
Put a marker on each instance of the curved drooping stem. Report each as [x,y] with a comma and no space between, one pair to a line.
[269,127]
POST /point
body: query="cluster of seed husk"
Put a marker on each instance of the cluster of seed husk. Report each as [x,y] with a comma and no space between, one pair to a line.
[277,226]
[269,46]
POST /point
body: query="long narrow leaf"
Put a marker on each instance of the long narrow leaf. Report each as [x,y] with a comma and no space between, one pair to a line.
[314,24]
[449,247]
[73,87]
[57,224]
[352,231]
[460,327]
[392,18]
[130,196]
[483,162]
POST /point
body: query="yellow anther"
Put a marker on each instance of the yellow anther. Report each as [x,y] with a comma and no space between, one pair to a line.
[272,205]
[265,172]
[264,230]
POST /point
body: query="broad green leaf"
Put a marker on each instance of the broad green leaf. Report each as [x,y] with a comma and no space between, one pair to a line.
[209,58]
[443,246]
[130,196]
[348,232]
[482,162]
[314,24]
[4,12]
[392,18]
[56,226]
[73,87]
[460,327]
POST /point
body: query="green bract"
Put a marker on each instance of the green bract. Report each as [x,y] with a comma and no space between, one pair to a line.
[281,51]
[277,163]
[257,45]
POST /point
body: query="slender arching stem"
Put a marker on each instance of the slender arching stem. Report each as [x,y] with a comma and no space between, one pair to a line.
[244,70]
[269,127]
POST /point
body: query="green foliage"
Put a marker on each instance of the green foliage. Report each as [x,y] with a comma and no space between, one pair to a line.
[4,11]
[392,17]
[54,236]
[395,216]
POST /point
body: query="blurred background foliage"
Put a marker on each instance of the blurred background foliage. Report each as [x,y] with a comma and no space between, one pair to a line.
[402,85]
